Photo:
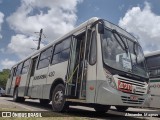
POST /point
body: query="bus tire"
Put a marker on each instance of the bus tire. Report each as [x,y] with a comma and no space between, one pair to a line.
[44,101]
[101,108]
[121,108]
[58,100]
[16,98]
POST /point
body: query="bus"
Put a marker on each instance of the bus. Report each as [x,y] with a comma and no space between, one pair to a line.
[98,64]
[153,64]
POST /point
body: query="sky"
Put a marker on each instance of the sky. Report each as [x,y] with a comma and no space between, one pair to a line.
[20,19]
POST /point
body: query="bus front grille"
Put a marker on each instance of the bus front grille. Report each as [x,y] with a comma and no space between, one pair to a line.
[137,84]
[127,100]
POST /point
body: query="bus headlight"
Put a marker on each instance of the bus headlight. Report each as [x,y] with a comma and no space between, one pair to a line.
[110,79]
[112,82]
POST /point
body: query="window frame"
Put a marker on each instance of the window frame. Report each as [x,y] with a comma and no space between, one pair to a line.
[29,59]
[62,50]
[39,58]
[91,43]
[20,69]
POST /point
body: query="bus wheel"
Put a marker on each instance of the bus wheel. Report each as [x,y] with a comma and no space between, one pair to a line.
[102,108]
[44,101]
[58,100]
[121,108]
[16,98]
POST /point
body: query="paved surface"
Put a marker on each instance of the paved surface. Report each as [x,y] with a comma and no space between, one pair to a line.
[6,103]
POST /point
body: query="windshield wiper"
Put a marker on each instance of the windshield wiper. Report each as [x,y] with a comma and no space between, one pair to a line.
[124,44]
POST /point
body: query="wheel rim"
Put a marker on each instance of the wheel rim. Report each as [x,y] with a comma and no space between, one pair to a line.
[58,98]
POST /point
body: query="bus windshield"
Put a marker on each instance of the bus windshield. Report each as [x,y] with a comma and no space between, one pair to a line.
[121,53]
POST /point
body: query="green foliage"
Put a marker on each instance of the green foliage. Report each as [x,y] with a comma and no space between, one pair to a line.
[4,77]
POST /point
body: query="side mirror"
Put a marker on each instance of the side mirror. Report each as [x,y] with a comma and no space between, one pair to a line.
[100,28]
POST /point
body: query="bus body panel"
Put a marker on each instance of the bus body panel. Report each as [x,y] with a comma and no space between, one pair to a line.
[57,71]
[22,85]
[155,102]
[155,92]
[13,85]
[91,78]
[9,82]
[155,86]
[8,86]
[39,81]
[153,64]
[30,86]
[100,68]
[91,84]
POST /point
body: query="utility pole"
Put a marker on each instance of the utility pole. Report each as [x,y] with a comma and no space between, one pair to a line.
[40,38]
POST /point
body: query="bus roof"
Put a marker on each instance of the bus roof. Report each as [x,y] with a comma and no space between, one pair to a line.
[83,25]
[152,53]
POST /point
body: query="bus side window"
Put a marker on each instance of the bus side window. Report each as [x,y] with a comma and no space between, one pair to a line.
[61,52]
[19,68]
[93,49]
[45,57]
[25,66]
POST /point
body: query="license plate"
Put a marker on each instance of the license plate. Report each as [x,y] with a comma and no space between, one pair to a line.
[124,86]
[132,97]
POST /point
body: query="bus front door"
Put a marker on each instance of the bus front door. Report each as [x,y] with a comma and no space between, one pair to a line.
[75,79]
[70,85]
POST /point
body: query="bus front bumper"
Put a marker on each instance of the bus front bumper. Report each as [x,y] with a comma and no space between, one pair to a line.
[109,96]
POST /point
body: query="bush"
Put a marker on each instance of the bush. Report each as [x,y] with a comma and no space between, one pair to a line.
[4,77]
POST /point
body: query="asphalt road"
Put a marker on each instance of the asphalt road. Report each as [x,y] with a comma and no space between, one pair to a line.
[6,103]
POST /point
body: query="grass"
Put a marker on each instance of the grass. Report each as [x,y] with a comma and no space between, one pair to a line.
[11,108]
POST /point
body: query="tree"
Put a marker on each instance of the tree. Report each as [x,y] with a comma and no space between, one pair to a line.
[4,77]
